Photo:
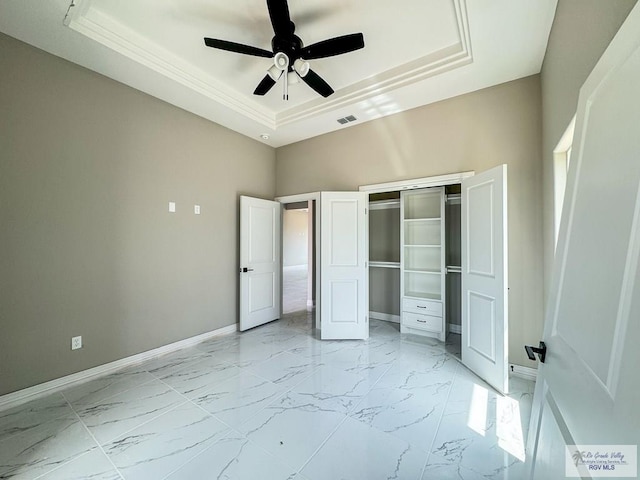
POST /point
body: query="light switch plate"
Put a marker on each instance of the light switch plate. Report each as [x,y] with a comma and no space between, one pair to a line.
[172,207]
[76,343]
[196,209]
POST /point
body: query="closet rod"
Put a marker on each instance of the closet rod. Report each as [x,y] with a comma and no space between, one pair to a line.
[384,204]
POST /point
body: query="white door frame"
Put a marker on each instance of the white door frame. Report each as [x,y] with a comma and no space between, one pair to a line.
[308,197]
[413,183]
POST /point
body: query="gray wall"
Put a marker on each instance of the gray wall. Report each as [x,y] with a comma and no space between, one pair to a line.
[581,32]
[384,246]
[87,247]
[476,131]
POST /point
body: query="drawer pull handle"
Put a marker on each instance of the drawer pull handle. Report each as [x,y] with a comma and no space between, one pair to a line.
[420,306]
[421,321]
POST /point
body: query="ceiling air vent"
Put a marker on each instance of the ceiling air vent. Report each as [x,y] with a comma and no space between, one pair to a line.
[345,120]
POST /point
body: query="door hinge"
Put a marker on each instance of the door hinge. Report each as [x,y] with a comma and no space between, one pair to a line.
[365,211]
[366,319]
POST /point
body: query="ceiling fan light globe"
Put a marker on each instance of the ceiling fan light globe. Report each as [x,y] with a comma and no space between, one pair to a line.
[274,72]
[301,67]
[281,61]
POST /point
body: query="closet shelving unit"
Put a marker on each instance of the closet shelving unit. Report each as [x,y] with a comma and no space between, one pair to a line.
[423,261]
[414,259]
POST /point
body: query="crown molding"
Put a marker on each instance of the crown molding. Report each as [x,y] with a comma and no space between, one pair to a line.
[90,22]
[444,60]
[101,28]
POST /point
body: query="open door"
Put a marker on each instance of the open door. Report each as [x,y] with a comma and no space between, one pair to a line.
[260,266]
[484,276]
[344,250]
[588,388]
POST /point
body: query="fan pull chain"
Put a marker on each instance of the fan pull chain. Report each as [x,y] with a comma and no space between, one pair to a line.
[66,21]
[285,94]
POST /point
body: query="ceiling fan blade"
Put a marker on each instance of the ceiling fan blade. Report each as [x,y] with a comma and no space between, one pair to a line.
[265,85]
[280,18]
[333,46]
[317,83]
[237,47]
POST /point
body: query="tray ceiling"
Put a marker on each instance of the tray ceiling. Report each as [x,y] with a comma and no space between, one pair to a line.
[416,52]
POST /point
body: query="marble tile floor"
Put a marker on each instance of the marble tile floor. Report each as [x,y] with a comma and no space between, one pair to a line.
[276,403]
[453,345]
[294,288]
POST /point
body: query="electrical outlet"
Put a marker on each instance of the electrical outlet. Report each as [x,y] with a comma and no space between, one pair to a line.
[76,343]
[196,209]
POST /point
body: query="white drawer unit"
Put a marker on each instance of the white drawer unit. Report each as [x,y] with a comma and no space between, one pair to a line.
[425,307]
[422,322]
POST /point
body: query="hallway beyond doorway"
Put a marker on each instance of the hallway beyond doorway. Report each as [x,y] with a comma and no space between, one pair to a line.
[294,288]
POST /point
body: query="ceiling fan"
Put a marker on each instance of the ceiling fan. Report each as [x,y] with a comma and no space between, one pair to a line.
[289,53]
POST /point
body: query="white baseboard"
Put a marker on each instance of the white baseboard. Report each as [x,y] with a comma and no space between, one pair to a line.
[455,329]
[527,373]
[31,393]
[387,317]
[310,305]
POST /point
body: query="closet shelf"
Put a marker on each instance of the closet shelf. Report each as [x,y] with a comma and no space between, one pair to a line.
[384,264]
[423,296]
[422,246]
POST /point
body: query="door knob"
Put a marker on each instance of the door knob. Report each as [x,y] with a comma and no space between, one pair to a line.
[541,351]
[245,270]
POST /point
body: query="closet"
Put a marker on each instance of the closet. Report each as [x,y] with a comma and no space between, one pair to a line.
[414,253]
[421,232]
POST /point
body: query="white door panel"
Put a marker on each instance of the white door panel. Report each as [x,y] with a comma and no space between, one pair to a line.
[588,389]
[484,276]
[482,325]
[260,256]
[344,274]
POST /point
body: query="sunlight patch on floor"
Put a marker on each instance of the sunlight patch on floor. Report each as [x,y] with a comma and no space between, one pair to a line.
[509,427]
[477,420]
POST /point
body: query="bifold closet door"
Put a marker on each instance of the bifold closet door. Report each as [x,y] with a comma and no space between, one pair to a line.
[344,251]
[484,276]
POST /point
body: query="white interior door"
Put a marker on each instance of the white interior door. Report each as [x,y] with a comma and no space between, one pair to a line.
[260,264]
[588,389]
[344,244]
[484,276]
